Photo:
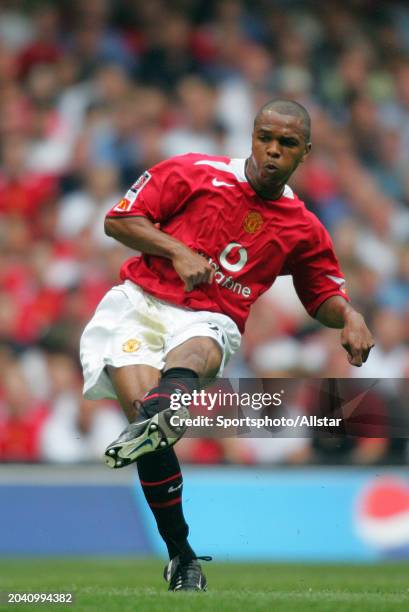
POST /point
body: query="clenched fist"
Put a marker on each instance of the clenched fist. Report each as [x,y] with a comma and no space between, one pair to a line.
[192,268]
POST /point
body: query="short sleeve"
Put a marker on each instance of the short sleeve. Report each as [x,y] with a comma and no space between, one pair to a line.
[157,194]
[315,269]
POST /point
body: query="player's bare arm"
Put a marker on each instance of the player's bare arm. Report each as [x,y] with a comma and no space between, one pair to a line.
[140,234]
[355,337]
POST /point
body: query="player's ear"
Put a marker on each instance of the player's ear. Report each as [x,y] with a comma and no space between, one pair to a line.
[306,151]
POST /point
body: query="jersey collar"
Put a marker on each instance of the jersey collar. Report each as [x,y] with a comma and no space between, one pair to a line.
[236,167]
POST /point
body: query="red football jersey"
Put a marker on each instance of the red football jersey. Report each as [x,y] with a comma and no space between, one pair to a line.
[207,203]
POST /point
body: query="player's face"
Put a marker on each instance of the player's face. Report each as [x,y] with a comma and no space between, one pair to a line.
[278,146]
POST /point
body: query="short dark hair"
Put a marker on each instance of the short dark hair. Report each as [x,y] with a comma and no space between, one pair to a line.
[288,107]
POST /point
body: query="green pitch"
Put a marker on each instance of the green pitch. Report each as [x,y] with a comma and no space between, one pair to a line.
[122,585]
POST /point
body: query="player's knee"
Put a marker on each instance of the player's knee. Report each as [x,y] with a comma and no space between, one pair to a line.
[207,359]
[203,355]
[204,365]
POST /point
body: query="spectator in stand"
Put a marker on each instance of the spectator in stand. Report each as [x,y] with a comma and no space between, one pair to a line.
[21,417]
[45,46]
[75,429]
[22,192]
[198,129]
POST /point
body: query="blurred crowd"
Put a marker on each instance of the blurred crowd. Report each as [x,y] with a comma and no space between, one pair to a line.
[93,93]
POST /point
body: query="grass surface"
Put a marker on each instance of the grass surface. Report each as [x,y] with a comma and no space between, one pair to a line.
[134,585]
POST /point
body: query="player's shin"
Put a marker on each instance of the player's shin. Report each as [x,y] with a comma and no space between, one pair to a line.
[162,484]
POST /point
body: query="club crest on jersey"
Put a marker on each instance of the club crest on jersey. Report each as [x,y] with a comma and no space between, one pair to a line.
[127,202]
[131,346]
[253,221]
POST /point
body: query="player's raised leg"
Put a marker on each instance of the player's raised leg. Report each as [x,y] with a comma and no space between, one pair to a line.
[151,428]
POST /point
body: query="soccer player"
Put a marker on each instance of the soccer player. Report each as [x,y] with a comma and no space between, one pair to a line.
[213,233]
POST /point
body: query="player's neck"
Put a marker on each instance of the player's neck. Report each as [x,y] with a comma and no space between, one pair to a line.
[267,192]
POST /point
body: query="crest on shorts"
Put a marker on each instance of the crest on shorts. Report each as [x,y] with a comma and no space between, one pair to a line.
[252,222]
[131,346]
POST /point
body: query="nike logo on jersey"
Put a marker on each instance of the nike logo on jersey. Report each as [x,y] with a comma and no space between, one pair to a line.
[218,183]
[336,279]
[172,489]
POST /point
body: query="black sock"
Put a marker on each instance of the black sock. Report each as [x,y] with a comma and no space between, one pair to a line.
[162,484]
[174,380]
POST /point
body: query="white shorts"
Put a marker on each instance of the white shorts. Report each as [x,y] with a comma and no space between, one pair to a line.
[131,327]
